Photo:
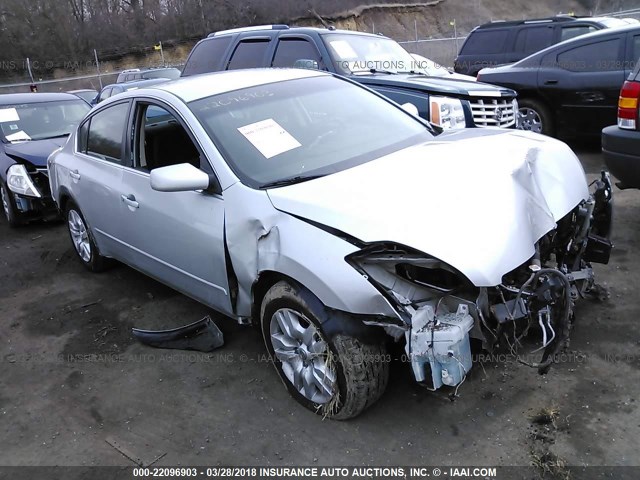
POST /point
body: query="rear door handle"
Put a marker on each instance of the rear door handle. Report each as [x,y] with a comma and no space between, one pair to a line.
[551,82]
[130,200]
[74,175]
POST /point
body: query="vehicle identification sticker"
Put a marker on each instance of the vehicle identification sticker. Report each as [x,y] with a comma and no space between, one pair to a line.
[9,115]
[269,137]
[18,136]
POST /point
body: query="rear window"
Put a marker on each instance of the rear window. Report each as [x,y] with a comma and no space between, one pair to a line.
[206,56]
[485,41]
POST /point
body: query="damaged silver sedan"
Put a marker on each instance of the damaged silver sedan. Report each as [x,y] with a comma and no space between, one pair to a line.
[339,223]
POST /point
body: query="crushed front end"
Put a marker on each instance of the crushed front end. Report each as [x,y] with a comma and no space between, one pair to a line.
[441,309]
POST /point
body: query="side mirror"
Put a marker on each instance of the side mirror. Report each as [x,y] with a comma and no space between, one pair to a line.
[306,63]
[183,177]
[410,108]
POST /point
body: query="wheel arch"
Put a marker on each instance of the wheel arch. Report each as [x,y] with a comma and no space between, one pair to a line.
[334,322]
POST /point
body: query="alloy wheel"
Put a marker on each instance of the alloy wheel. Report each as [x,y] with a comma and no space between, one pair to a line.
[304,354]
[79,235]
[530,120]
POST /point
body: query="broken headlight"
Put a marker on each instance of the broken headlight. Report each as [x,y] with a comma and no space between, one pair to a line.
[19,181]
[405,276]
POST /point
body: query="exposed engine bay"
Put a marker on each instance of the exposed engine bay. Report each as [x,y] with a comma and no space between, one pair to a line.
[441,309]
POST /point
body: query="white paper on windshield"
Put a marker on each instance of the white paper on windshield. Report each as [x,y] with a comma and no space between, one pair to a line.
[269,137]
[16,137]
[343,49]
[9,115]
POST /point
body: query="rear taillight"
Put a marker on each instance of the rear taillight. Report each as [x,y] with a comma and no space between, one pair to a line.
[628,105]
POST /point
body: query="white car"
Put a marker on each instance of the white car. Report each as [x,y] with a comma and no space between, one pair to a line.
[337,221]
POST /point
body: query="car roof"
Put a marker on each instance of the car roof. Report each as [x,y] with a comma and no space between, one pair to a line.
[534,21]
[285,29]
[200,86]
[14,98]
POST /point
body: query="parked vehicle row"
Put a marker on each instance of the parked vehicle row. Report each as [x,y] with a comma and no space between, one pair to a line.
[259,192]
[501,42]
[375,61]
[572,88]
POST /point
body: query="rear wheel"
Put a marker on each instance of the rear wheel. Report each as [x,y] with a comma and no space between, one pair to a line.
[82,240]
[535,117]
[336,377]
[9,206]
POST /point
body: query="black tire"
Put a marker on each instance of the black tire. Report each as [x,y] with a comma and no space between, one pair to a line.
[93,261]
[361,370]
[9,209]
[529,110]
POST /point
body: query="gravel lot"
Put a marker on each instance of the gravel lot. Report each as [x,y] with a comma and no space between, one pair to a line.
[74,382]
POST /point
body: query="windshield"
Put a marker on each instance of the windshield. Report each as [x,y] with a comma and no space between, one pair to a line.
[363,53]
[304,128]
[429,67]
[37,121]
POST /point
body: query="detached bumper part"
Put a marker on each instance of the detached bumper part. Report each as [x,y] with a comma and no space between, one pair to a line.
[442,343]
[203,336]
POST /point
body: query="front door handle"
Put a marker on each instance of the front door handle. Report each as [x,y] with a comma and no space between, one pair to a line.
[130,200]
[74,175]
[551,82]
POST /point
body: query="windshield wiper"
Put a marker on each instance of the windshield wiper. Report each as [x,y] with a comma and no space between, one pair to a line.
[373,70]
[54,136]
[290,181]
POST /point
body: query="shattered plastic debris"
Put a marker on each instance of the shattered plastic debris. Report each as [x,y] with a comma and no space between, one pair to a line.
[203,335]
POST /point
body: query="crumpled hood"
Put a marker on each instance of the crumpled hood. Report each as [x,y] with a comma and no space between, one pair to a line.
[477,199]
[35,151]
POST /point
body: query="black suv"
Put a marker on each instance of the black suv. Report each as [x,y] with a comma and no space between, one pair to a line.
[571,89]
[372,60]
[497,43]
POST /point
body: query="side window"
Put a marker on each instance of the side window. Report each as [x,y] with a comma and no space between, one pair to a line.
[160,140]
[594,57]
[206,56]
[568,32]
[106,128]
[485,41]
[106,93]
[83,130]
[290,50]
[248,54]
[533,39]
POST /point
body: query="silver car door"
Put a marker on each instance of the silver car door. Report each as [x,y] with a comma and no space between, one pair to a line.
[96,174]
[176,237]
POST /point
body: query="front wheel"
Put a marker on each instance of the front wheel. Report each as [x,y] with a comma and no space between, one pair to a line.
[535,117]
[9,206]
[82,240]
[337,377]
